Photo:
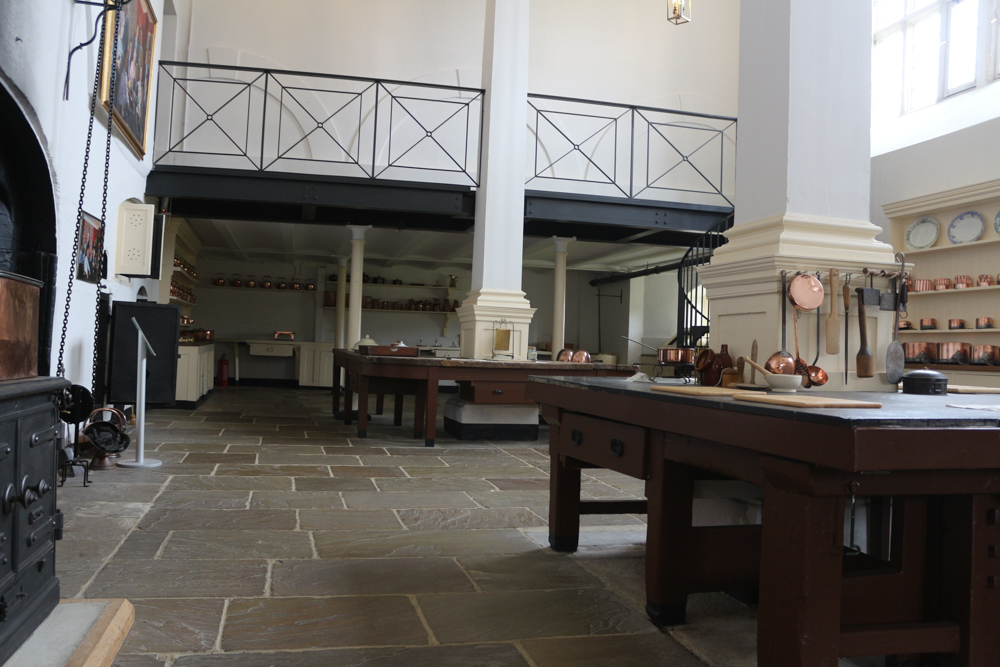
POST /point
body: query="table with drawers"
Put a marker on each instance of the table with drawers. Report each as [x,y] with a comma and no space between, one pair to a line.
[484,381]
[929,585]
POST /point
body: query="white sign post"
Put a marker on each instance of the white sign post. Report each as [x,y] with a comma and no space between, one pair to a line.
[140,406]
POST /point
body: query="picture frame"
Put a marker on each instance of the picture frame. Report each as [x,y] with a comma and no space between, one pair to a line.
[134,67]
[87,265]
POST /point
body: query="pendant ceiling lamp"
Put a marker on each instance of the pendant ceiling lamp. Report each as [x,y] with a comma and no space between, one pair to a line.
[680,11]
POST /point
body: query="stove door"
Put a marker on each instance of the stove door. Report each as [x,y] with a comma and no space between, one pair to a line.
[8,435]
[35,480]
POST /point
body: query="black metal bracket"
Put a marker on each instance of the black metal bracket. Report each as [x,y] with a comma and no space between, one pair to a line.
[111,4]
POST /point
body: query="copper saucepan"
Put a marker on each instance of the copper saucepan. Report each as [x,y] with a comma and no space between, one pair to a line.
[916,352]
[984,354]
[669,355]
[954,353]
[805,292]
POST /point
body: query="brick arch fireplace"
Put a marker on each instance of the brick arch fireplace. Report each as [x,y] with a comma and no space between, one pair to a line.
[27,215]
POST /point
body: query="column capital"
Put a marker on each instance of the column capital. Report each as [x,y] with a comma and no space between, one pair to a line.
[358,231]
[562,242]
[342,260]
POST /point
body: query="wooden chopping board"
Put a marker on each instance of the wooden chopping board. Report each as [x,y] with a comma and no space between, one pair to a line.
[797,400]
[696,390]
[969,389]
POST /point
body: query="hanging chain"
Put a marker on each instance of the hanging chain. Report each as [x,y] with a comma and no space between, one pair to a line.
[60,367]
[101,259]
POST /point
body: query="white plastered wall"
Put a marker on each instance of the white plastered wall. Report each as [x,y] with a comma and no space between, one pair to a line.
[35,40]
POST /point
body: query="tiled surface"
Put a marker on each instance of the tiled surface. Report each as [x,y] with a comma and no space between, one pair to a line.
[273,536]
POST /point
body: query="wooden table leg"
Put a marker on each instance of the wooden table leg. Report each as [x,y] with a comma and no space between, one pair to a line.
[362,406]
[798,621]
[418,411]
[348,400]
[432,406]
[379,403]
[336,388]
[970,576]
[670,494]
[397,411]
[564,496]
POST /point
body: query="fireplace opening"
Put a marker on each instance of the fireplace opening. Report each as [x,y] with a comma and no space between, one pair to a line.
[27,216]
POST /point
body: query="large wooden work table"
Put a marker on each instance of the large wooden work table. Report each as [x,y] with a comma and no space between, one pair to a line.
[929,585]
[490,381]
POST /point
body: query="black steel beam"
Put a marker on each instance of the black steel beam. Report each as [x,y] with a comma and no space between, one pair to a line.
[300,190]
[622,212]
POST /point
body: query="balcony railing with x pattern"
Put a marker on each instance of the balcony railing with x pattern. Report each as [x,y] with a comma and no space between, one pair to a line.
[602,148]
[306,123]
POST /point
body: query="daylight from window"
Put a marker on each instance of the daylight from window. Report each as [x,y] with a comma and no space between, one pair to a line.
[927,50]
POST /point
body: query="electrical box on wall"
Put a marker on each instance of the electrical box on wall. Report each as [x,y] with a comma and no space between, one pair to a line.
[140,234]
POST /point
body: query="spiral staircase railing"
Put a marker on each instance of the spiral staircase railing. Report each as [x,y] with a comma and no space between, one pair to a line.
[692,304]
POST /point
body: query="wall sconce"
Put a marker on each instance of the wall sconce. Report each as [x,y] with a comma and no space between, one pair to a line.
[680,11]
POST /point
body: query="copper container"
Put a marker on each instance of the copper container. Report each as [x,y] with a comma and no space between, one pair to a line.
[235,280]
[565,354]
[954,353]
[928,323]
[923,285]
[986,280]
[581,357]
[942,283]
[984,354]
[18,326]
[984,322]
[281,283]
[296,284]
[265,282]
[251,281]
[219,280]
[905,324]
[956,324]
[675,355]
[311,286]
[924,353]
[963,281]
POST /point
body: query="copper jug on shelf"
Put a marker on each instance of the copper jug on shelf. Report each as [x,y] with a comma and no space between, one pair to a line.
[265,282]
[235,280]
[296,284]
[281,283]
[251,281]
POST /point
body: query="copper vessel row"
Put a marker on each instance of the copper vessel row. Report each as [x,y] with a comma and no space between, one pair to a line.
[951,353]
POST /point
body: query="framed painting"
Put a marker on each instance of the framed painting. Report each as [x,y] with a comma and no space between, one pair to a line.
[134,67]
[87,267]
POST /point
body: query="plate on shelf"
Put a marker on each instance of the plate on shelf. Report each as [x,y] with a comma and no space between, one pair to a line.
[966,228]
[923,233]
[996,222]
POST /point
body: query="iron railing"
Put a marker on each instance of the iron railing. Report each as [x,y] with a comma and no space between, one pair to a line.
[692,301]
[618,150]
[306,123]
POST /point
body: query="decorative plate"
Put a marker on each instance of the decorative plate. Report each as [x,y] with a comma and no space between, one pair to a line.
[966,228]
[996,222]
[922,234]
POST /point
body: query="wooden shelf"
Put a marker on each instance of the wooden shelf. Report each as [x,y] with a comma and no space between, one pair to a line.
[422,287]
[183,275]
[390,310]
[952,291]
[914,332]
[956,246]
[259,290]
[182,302]
[983,368]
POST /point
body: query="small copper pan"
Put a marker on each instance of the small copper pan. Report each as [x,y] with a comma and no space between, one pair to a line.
[954,353]
[984,354]
[675,355]
[805,292]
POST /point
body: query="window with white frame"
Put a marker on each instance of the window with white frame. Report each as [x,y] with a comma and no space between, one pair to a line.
[927,50]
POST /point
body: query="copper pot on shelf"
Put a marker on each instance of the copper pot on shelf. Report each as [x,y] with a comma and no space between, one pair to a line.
[985,354]
[251,281]
[956,324]
[219,280]
[923,285]
[984,323]
[962,282]
[235,280]
[954,353]
[581,357]
[942,283]
[928,323]
[296,284]
[281,283]
[920,352]
[265,282]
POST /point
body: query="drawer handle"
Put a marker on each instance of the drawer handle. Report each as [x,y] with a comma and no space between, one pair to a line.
[617,447]
[576,435]
[498,391]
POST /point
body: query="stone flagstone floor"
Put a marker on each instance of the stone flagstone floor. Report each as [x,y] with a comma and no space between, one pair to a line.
[272,536]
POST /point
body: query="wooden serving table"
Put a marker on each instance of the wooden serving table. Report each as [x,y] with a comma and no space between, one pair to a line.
[489,381]
[929,585]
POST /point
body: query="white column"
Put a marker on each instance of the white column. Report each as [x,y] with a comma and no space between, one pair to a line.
[499,229]
[341,301]
[802,174]
[357,278]
[559,294]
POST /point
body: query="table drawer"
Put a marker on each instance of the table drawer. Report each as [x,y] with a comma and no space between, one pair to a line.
[494,392]
[269,350]
[609,444]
